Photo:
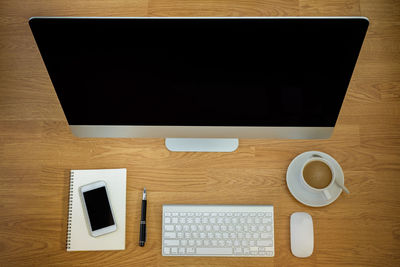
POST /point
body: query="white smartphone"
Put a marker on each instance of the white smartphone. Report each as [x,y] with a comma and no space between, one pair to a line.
[97,208]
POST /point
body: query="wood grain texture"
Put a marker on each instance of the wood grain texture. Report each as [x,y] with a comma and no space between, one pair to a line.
[37,150]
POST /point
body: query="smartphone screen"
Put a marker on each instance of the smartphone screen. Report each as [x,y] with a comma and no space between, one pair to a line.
[98,208]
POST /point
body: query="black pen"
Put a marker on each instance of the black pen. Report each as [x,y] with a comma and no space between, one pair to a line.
[142,237]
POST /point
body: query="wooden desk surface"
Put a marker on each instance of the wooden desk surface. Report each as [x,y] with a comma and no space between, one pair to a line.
[37,149]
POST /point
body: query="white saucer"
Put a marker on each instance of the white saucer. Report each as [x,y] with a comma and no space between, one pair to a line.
[301,192]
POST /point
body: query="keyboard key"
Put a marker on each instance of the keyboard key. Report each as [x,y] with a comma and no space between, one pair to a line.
[169,228]
[169,235]
[266,235]
[171,242]
[266,220]
[266,243]
[182,251]
[214,251]
[167,250]
[238,250]
[174,250]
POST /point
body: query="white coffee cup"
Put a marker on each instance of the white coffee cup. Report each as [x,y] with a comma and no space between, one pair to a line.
[326,190]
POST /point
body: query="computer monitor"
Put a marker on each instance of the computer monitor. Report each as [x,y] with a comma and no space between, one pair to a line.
[197,81]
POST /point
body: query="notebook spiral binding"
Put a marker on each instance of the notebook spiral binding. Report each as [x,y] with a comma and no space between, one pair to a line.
[71,190]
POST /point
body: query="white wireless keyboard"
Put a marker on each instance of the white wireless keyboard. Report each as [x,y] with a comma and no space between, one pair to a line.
[218,230]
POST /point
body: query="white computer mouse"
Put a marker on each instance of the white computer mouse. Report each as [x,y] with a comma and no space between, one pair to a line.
[301,234]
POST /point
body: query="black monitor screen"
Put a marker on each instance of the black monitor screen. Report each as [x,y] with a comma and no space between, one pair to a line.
[200,72]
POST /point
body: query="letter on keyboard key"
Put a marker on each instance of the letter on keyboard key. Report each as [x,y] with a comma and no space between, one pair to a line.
[168,242]
[213,251]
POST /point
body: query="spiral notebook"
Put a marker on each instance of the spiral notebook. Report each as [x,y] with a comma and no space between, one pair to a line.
[78,237]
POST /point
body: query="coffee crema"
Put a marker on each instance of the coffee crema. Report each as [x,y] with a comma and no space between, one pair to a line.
[317,174]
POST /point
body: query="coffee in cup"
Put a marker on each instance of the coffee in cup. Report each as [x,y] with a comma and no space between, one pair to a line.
[317,174]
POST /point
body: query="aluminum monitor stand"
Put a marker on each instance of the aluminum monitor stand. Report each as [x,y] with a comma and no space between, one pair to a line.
[202,144]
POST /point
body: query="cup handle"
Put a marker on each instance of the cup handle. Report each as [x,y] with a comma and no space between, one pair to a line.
[327,195]
[315,156]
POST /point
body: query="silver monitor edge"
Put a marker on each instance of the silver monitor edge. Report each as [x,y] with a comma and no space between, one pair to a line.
[122,131]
